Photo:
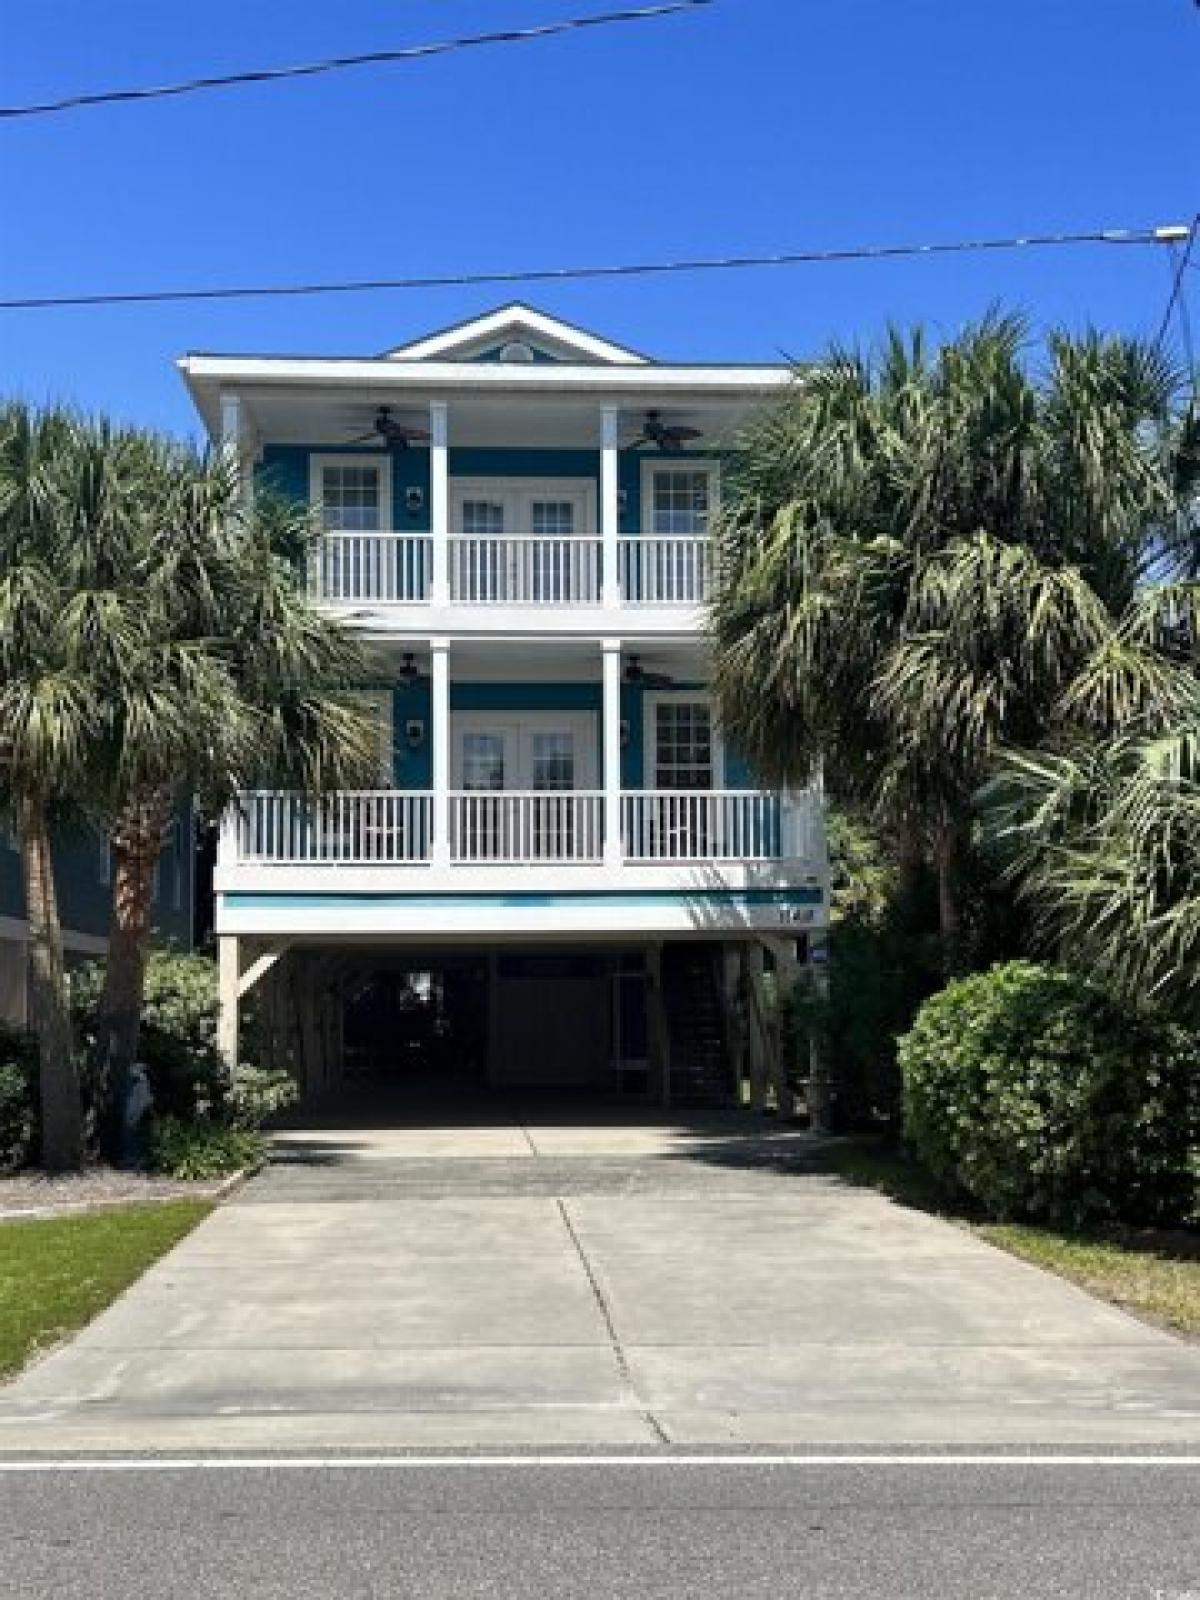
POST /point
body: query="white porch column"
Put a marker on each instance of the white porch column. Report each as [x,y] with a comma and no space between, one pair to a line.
[232,441]
[613,851]
[227,998]
[609,506]
[439,650]
[439,500]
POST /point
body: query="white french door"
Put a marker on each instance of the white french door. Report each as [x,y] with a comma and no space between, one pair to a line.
[518,779]
[522,543]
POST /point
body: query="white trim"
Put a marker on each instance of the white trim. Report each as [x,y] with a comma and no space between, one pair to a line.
[610,503]
[499,486]
[317,462]
[439,742]
[439,499]
[681,463]
[338,372]
[513,321]
[650,700]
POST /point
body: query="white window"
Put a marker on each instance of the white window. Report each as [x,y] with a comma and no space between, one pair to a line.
[679,501]
[353,493]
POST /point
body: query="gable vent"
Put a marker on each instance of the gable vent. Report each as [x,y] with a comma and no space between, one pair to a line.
[517,353]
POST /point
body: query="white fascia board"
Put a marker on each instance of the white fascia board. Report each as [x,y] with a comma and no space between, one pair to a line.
[334,372]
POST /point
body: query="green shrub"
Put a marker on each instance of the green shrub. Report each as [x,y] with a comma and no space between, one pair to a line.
[178,1040]
[203,1149]
[1041,1097]
[178,1043]
[18,1099]
[258,1093]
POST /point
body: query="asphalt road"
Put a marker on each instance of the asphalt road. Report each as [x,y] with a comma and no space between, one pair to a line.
[655,1528]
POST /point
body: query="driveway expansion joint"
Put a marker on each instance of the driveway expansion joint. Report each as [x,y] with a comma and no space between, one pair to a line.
[602,1305]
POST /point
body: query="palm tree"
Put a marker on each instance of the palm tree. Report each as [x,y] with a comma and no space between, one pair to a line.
[48,704]
[1101,832]
[922,551]
[237,680]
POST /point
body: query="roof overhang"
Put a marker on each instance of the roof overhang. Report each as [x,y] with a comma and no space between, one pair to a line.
[315,399]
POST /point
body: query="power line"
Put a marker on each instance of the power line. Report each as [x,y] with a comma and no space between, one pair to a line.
[1182,258]
[458,280]
[313,69]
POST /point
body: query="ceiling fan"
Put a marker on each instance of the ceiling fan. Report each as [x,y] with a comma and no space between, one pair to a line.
[666,435]
[386,430]
[636,673]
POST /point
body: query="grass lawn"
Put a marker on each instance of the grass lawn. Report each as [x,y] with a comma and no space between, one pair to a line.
[57,1273]
[1153,1274]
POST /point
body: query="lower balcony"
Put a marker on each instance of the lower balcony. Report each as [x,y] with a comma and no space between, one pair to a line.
[391,828]
[377,862]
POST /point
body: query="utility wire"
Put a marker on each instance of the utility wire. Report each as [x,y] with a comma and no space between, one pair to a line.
[1182,258]
[314,69]
[640,269]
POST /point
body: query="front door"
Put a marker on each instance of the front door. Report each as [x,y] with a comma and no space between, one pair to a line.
[515,771]
[514,543]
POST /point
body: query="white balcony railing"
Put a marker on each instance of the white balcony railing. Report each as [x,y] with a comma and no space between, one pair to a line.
[659,571]
[393,827]
[709,825]
[524,570]
[390,568]
[514,827]
[354,827]
[512,569]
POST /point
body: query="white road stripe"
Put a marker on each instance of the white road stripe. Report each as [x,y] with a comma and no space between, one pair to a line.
[424,1463]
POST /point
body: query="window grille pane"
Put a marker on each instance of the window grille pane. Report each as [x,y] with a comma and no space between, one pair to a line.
[350,498]
[684,745]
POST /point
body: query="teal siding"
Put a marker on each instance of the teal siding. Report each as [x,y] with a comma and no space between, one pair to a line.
[80,868]
[283,470]
[413,767]
[413,701]
[541,358]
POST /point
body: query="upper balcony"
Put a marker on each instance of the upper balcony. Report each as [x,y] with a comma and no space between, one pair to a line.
[511,476]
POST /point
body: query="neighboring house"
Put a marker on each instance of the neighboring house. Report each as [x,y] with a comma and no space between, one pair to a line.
[84,885]
[563,859]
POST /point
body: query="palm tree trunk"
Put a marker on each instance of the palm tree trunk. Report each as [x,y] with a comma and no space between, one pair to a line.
[137,842]
[948,861]
[61,1106]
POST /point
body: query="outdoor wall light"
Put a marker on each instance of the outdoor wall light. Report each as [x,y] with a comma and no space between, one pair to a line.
[626,732]
[414,499]
[622,500]
[414,733]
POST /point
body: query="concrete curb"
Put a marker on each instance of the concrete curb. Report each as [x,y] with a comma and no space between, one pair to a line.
[70,1208]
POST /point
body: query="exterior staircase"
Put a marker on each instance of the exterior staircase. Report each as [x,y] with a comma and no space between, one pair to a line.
[700,1067]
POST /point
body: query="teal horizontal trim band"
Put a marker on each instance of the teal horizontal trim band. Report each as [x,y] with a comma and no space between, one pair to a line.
[530,897]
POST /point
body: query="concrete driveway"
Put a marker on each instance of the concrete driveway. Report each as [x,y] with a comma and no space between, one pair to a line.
[488,1276]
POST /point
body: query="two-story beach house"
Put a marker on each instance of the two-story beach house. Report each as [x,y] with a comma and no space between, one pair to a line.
[563,859]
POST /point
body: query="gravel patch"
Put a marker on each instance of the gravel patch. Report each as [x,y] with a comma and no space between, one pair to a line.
[39,1194]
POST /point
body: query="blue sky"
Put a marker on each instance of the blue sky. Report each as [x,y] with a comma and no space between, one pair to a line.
[757,125]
